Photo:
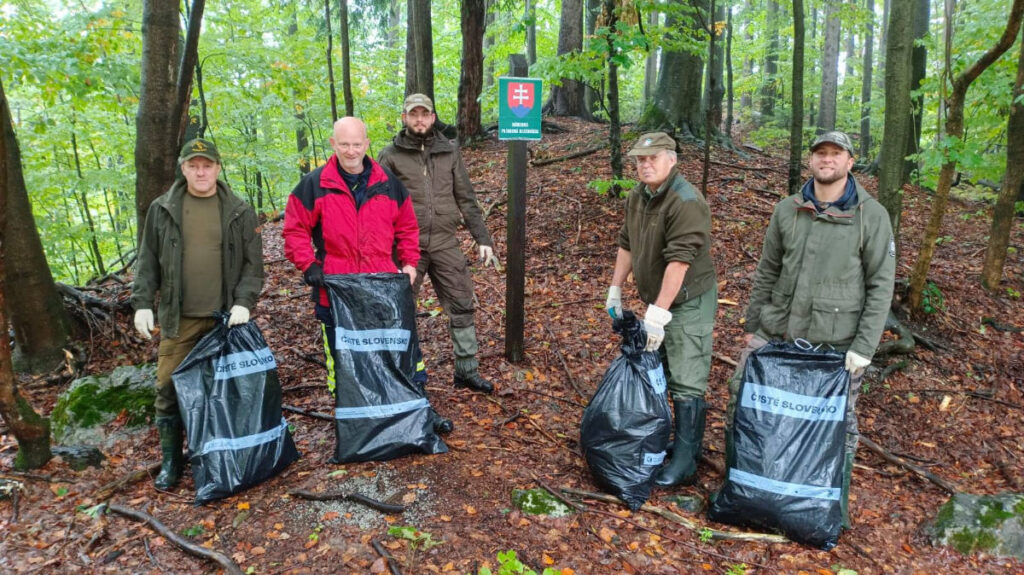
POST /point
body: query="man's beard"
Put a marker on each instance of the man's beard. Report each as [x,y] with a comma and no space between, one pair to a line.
[835,177]
[417,132]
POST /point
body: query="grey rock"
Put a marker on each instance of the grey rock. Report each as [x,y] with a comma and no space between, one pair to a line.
[992,524]
[90,403]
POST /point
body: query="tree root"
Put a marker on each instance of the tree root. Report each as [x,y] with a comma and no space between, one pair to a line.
[353,497]
[108,490]
[229,566]
[392,564]
[878,449]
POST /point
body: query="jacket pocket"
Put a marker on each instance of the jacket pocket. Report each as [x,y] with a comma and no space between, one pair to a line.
[833,321]
[775,314]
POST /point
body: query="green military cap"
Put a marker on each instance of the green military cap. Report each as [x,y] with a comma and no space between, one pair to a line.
[651,143]
[199,147]
[418,101]
[838,138]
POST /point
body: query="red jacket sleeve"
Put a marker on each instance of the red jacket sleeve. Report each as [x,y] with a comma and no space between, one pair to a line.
[299,222]
[407,233]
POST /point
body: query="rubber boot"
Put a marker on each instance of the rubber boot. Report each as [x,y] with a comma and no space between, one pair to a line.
[682,468]
[466,364]
[844,497]
[170,449]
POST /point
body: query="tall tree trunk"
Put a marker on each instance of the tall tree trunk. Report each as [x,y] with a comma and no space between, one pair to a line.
[530,17]
[829,69]
[615,126]
[897,115]
[330,62]
[746,101]
[796,127]
[650,62]
[677,99]
[591,97]
[419,50]
[768,88]
[865,85]
[301,137]
[471,76]
[83,200]
[955,132]
[36,309]
[488,44]
[346,60]
[851,50]
[729,97]
[156,123]
[918,69]
[812,114]
[1003,214]
[714,63]
[568,99]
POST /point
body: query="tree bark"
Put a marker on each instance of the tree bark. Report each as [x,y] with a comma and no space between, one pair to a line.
[419,50]
[31,430]
[650,62]
[568,99]
[471,75]
[530,16]
[1003,214]
[865,85]
[918,69]
[897,115]
[729,96]
[713,113]
[955,130]
[797,116]
[591,97]
[677,99]
[768,87]
[829,69]
[346,59]
[330,62]
[615,127]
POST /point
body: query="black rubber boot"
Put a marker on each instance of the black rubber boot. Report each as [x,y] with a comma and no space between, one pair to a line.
[475,382]
[682,468]
[170,448]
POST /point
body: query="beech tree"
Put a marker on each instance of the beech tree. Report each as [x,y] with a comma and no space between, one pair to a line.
[796,120]
[419,50]
[897,114]
[472,69]
[568,99]
[829,69]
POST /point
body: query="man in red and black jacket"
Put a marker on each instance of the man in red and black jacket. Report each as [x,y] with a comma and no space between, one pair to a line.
[345,216]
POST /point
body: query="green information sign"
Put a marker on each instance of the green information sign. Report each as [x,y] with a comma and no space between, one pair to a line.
[519,108]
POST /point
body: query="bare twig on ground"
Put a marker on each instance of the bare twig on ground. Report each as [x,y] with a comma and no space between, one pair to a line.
[312,414]
[572,156]
[392,564]
[509,420]
[679,519]
[217,557]
[149,552]
[864,440]
[558,353]
[344,496]
[726,359]
[105,492]
[569,401]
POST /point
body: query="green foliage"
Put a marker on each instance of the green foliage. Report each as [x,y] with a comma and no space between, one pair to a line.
[509,564]
[417,539]
[706,534]
[314,536]
[932,299]
[194,531]
[602,187]
[737,569]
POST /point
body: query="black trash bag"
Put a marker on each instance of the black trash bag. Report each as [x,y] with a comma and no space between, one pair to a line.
[230,401]
[626,426]
[785,468]
[380,412]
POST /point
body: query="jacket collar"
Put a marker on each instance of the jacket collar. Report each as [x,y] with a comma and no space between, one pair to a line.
[175,198]
[331,178]
[841,211]
[435,141]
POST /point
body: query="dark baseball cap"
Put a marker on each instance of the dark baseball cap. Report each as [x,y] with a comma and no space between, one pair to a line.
[838,138]
[199,147]
[413,101]
[651,143]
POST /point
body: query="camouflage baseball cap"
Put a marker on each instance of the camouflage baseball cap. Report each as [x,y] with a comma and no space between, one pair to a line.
[199,147]
[651,143]
[838,138]
[418,101]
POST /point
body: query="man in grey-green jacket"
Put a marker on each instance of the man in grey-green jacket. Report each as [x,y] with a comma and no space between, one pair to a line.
[201,250]
[826,275]
[666,243]
[430,165]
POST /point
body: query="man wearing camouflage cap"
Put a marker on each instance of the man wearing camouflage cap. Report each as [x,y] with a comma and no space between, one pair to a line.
[202,252]
[430,165]
[826,276]
[666,243]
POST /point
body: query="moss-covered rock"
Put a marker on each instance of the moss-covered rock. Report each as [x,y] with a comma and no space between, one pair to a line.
[92,402]
[987,523]
[538,501]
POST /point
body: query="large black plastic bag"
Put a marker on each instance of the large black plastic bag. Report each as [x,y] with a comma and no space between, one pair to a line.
[380,412]
[785,470]
[230,400]
[626,425]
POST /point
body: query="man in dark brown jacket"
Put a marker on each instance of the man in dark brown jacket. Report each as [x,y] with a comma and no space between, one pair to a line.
[430,165]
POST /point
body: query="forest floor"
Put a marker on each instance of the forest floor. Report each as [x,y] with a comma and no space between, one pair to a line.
[957,411]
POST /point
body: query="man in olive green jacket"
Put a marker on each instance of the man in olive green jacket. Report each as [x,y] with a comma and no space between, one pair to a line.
[826,275]
[430,165]
[202,252]
[666,243]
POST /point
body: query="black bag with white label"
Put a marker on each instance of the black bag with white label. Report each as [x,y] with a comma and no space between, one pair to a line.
[785,468]
[229,397]
[380,412]
[626,426]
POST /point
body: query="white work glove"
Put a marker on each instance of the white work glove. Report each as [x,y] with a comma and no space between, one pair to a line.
[614,302]
[654,323]
[855,362]
[487,256]
[239,315]
[144,323]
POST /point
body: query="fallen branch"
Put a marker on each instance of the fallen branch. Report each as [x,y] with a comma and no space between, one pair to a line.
[555,397]
[1000,326]
[105,492]
[312,414]
[976,394]
[572,156]
[680,520]
[907,465]
[353,497]
[388,559]
[558,353]
[224,561]
[725,359]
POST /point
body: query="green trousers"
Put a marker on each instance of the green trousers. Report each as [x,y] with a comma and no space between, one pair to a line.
[172,352]
[686,351]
